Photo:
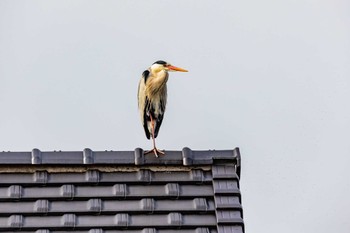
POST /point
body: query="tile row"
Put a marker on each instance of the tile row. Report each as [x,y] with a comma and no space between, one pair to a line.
[100,206]
[118,221]
[69,191]
[145,205]
[98,177]
[144,230]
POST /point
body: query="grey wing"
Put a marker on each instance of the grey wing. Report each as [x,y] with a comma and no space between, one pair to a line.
[160,117]
[143,102]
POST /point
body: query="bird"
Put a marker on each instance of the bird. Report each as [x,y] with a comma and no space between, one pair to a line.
[152,99]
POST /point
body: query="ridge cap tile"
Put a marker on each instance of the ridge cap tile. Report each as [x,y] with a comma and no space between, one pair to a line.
[184,157]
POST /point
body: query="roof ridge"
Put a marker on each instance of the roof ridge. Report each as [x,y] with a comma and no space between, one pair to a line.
[185,157]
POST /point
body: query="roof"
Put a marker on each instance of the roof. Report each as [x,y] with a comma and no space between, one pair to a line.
[89,191]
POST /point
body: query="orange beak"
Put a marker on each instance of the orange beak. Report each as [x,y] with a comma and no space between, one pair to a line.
[174,68]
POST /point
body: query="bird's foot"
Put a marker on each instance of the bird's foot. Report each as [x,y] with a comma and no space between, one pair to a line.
[155,151]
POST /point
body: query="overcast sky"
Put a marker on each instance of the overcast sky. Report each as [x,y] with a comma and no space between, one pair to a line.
[270,77]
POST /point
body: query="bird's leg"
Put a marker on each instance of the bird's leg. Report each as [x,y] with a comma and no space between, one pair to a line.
[155,150]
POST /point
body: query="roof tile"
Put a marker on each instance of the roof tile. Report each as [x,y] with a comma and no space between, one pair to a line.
[67,191]
[41,206]
[15,191]
[15,221]
[69,220]
[94,205]
[122,220]
[40,177]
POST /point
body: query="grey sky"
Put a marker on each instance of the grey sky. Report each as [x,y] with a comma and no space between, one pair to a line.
[271,77]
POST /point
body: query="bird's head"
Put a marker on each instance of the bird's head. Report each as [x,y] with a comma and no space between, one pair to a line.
[162,65]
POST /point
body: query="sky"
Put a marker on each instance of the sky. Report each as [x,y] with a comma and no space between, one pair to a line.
[270,77]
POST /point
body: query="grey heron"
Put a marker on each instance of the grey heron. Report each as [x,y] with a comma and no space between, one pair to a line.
[152,98]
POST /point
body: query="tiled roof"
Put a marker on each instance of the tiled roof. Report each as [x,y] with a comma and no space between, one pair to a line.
[120,192]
